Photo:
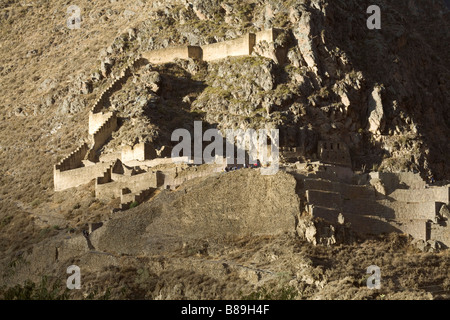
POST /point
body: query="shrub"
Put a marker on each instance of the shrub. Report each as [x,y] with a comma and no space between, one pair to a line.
[35,203]
[134,204]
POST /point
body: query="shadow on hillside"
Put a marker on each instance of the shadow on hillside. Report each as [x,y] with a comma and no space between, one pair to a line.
[403,56]
[372,52]
[173,110]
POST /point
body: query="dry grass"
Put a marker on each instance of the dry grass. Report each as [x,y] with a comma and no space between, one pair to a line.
[35,45]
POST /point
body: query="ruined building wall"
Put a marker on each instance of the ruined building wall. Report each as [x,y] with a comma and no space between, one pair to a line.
[77,177]
[416,228]
[173,180]
[139,152]
[393,181]
[268,35]
[170,54]
[440,233]
[73,160]
[135,183]
[126,199]
[335,153]
[369,213]
[96,120]
[101,135]
[265,35]
[266,46]
[96,116]
[236,47]
[106,177]
[438,194]
[396,210]
[109,157]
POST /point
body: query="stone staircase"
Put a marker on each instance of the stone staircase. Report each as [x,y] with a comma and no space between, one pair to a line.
[100,136]
[103,123]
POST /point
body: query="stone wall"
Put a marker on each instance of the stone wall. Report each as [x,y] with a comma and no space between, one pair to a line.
[347,191]
[101,135]
[242,46]
[266,45]
[417,228]
[109,157]
[440,233]
[400,180]
[324,199]
[105,177]
[158,162]
[332,172]
[173,180]
[237,47]
[139,152]
[135,184]
[73,160]
[77,177]
[114,85]
[268,35]
[170,54]
[126,199]
[370,224]
[439,194]
[395,210]
[96,116]
[404,210]
[96,120]
[334,152]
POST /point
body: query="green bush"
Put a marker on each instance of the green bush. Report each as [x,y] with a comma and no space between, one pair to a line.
[134,204]
[35,203]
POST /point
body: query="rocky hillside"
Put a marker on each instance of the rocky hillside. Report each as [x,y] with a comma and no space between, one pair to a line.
[385,93]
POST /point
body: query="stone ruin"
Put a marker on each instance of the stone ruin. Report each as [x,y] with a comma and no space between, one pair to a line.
[376,202]
[129,173]
[371,203]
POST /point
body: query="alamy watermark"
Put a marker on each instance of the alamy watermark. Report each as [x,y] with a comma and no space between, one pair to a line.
[374,281]
[74,20]
[374,21]
[74,281]
[260,146]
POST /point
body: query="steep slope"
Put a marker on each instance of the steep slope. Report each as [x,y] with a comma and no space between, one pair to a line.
[384,93]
